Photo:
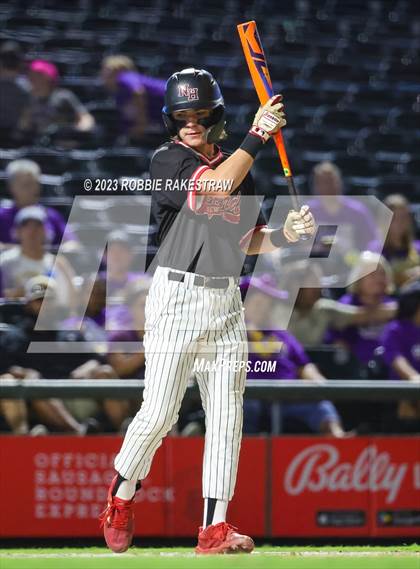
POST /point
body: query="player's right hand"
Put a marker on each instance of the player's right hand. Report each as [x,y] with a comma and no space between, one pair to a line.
[299,223]
[269,119]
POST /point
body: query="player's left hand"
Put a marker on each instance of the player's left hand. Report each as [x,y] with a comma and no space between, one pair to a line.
[299,223]
[269,119]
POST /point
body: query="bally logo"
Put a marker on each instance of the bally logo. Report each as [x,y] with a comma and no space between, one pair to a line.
[186,91]
[319,467]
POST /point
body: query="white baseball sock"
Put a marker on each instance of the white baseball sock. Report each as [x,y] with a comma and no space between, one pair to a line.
[126,490]
[214,511]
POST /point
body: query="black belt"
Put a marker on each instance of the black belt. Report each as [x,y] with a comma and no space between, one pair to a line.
[200,280]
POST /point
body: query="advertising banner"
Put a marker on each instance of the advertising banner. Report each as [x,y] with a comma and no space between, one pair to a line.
[361,486]
[57,487]
[287,487]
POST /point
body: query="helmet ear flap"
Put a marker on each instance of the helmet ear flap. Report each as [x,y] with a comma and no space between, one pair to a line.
[215,124]
[216,132]
[170,124]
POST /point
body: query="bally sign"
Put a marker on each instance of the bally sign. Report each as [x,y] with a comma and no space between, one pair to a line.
[319,467]
[345,485]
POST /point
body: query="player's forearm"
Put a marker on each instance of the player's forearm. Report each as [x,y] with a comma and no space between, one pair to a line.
[404,369]
[233,169]
[261,242]
[265,240]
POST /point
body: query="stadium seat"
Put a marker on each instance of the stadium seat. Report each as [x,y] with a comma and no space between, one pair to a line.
[413,166]
[11,311]
[7,155]
[398,185]
[124,162]
[28,25]
[72,184]
[311,158]
[337,363]
[326,72]
[391,162]
[88,89]
[386,142]
[312,141]
[107,119]
[354,165]
[83,161]
[4,193]
[408,121]
[341,119]
[67,43]
[50,161]
[92,232]
[404,72]
[126,211]
[62,204]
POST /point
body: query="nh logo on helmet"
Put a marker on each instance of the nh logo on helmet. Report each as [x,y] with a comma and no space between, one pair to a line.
[186,91]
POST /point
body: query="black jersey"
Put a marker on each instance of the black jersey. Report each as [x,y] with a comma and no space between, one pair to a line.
[200,233]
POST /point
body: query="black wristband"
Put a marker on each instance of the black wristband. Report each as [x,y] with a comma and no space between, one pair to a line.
[278,239]
[252,144]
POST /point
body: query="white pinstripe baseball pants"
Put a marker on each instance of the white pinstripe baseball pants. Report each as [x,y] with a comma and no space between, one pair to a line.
[184,321]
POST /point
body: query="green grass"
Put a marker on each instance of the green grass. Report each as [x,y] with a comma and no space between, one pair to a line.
[267,557]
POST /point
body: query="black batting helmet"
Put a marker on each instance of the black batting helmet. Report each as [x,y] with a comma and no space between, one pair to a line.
[194,89]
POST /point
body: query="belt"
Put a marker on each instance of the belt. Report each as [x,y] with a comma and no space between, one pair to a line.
[200,280]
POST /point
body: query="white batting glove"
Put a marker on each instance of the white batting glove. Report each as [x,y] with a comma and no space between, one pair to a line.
[299,223]
[269,119]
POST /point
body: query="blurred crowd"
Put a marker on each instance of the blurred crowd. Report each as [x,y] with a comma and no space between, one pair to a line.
[37,110]
[370,329]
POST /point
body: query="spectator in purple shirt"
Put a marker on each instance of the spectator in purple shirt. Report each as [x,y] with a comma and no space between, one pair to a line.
[369,291]
[331,208]
[119,259]
[138,97]
[291,362]
[92,294]
[29,258]
[23,177]
[313,315]
[401,345]
[130,364]
[118,276]
[401,249]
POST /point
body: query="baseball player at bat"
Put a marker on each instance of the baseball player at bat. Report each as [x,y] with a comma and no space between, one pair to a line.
[194,301]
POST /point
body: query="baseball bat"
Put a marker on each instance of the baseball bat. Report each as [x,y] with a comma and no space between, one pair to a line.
[258,68]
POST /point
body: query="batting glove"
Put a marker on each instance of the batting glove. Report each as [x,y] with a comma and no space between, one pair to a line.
[269,119]
[299,223]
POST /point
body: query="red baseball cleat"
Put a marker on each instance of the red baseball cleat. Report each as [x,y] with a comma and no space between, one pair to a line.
[118,521]
[223,538]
